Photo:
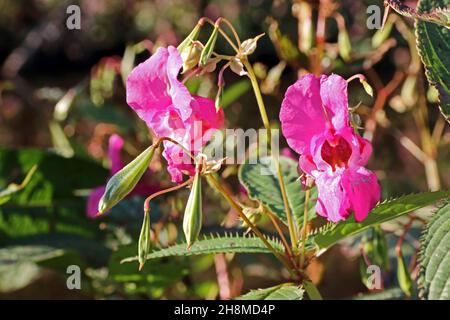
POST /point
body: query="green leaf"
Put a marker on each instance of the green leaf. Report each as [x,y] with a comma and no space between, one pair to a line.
[434,256]
[212,245]
[33,253]
[124,181]
[56,180]
[286,291]
[152,281]
[21,265]
[312,291]
[433,43]
[383,212]
[18,275]
[261,183]
[90,250]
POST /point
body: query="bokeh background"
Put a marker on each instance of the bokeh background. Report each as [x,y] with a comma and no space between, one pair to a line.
[62,96]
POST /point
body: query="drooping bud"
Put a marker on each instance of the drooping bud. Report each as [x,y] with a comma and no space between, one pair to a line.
[219,98]
[209,46]
[192,221]
[144,245]
[124,181]
[367,87]
[220,85]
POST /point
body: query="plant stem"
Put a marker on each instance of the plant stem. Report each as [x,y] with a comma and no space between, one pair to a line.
[265,120]
[156,194]
[259,99]
[273,218]
[223,33]
[238,209]
[305,226]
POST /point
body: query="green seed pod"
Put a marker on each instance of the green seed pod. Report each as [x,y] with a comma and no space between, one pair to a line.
[209,47]
[192,221]
[403,276]
[144,245]
[187,43]
[124,181]
[382,34]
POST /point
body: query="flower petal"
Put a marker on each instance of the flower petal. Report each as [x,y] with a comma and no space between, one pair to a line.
[362,189]
[153,87]
[333,92]
[332,201]
[301,115]
[181,98]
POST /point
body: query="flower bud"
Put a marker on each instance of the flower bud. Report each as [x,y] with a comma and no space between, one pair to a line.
[367,87]
[191,56]
[124,181]
[144,245]
[192,221]
[219,98]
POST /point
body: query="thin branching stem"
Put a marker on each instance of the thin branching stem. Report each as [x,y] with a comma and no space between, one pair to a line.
[212,179]
[266,123]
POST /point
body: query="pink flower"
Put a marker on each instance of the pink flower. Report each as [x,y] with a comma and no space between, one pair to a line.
[167,107]
[315,121]
[143,187]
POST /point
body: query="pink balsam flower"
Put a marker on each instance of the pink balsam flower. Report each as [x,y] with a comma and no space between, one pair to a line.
[167,107]
[143,188]
[315,121]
